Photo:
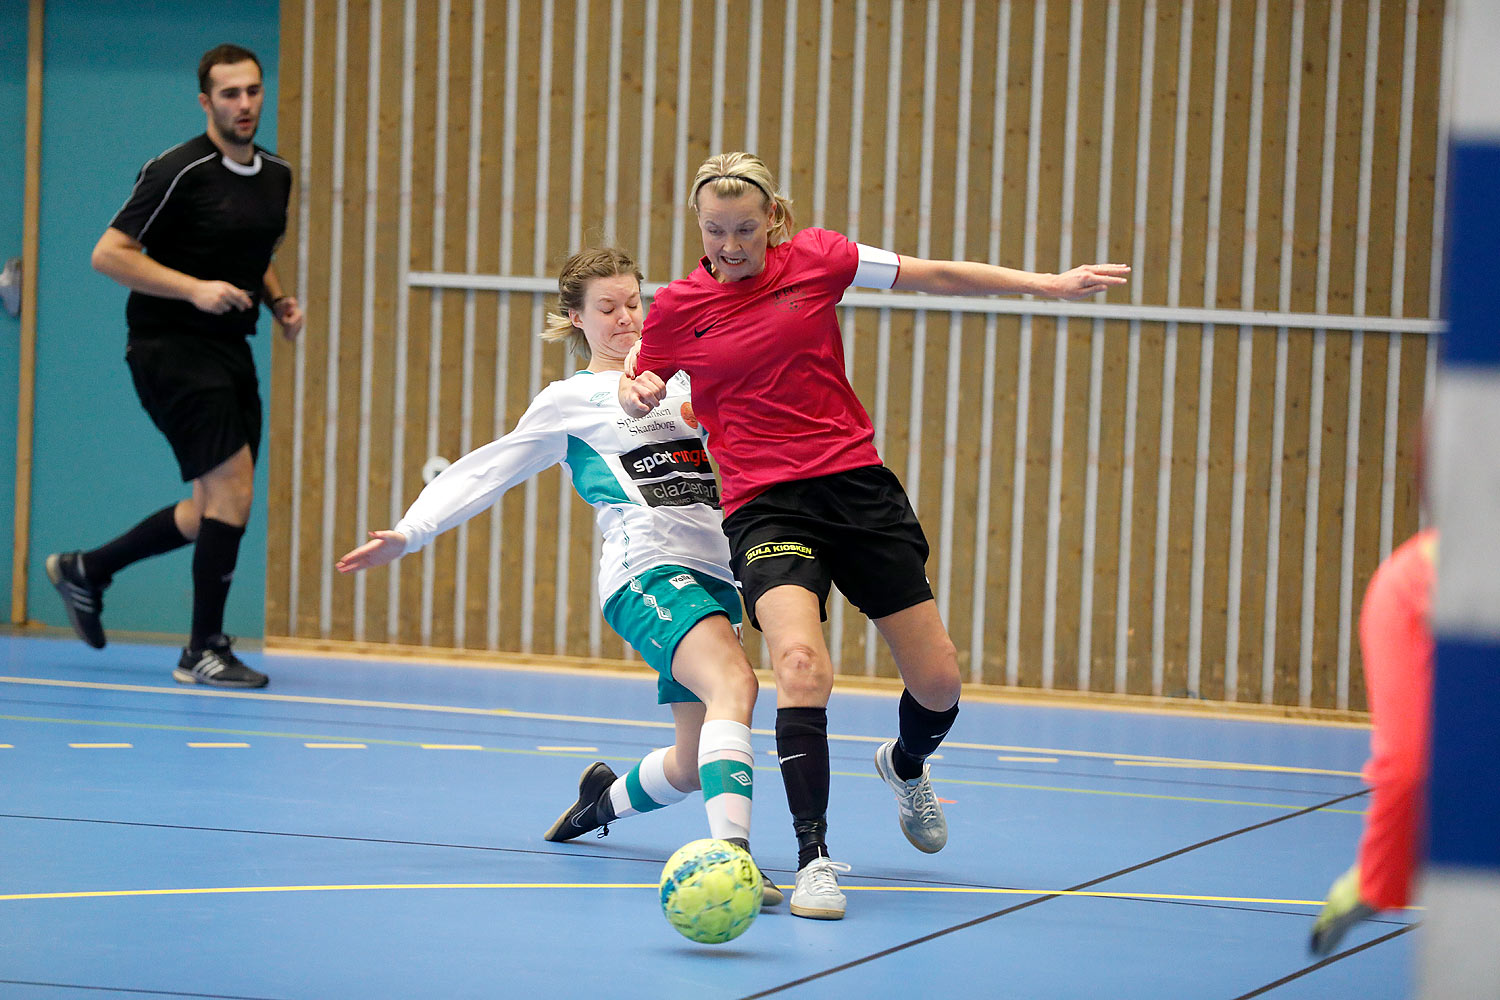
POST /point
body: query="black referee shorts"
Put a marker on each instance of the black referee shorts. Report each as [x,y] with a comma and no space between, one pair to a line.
[201,392]
[855,529]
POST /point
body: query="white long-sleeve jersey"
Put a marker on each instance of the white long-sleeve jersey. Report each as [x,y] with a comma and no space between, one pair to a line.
[653,491]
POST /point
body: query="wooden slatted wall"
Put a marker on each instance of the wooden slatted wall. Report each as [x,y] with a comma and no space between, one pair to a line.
[1153,502]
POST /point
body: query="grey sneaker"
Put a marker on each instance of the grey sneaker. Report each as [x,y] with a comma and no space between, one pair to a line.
[921,815]
[217,666]
[817,895]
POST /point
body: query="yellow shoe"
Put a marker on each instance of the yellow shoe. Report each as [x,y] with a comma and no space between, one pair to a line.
[1343,910]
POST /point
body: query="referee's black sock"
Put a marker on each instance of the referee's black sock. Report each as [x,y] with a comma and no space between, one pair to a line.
[151,537]
[802,746]
[214,558]
[922,731]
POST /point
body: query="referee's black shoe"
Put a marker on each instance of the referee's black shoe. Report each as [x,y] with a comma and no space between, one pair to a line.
[84,601]
[585,814]
[217,666]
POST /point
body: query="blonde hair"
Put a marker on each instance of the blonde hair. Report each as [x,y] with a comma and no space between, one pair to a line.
[573,281]
[730,175]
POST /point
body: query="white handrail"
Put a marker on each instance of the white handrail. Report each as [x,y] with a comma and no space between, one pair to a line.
[997,306]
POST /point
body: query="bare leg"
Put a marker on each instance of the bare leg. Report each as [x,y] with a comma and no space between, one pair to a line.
[924,655]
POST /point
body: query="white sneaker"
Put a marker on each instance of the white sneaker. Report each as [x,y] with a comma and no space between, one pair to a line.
[921,816]
[817,894]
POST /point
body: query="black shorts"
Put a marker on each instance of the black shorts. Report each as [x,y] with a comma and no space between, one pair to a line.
[855,529]
[201,392]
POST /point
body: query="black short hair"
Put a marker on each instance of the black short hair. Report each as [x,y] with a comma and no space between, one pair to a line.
[220,55]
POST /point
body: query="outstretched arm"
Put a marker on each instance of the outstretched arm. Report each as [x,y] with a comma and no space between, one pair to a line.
[383,547]
[470,485]
[964,277]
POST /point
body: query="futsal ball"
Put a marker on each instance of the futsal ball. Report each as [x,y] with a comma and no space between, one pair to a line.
[710,891]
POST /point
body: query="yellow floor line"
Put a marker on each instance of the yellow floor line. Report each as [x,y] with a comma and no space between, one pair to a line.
[180,691]
[300,699]
[429,886]
[1210,765]
[941,780]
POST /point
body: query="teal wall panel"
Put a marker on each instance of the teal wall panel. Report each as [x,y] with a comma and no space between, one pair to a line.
[12,195]
[120,87]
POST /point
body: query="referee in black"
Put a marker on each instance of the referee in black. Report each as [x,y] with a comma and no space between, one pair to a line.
[193,244]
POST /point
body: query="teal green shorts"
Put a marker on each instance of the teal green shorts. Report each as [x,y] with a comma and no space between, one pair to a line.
[656,609]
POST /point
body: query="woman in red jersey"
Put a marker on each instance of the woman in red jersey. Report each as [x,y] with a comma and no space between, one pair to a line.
[1396,645]
[806,498]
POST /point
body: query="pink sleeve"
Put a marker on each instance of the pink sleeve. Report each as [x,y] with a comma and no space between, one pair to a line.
[655,336]
[838,254]
[1397,647]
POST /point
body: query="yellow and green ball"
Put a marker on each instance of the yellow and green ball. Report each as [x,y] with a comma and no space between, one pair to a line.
[710,891]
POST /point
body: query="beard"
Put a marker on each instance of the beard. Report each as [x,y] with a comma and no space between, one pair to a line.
[231,133]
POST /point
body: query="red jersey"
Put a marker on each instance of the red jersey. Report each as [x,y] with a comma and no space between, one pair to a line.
[766,360]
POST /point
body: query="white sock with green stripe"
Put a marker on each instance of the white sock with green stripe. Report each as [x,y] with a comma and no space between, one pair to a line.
[645,788]
[724,767]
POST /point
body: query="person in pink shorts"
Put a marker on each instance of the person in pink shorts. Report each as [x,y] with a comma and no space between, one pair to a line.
[1395,638]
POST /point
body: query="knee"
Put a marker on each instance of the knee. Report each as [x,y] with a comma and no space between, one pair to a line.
[743,685]
[938,684]
[736,688]
[230,501]
[188,515]
[242,501]
[802,675]
[242,492]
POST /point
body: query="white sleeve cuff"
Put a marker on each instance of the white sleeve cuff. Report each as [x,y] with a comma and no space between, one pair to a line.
[877,268]
[417,536]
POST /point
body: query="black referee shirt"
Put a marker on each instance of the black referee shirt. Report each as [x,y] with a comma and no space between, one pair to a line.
[198,212]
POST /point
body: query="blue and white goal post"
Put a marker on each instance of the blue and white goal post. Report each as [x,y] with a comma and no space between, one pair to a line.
[1460,942]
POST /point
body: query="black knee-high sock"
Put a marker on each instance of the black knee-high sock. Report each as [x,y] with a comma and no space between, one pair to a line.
[151,537]
[214,558]
[802,745]
[922,730]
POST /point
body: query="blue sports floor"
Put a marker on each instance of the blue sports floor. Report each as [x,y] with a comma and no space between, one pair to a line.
[366,829]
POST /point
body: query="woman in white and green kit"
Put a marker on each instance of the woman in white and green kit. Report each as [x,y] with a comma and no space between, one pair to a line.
[664,567]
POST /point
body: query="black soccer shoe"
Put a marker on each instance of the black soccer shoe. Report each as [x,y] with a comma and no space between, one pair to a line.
[83,600]
[217,666]
[583,815]
[771,893]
